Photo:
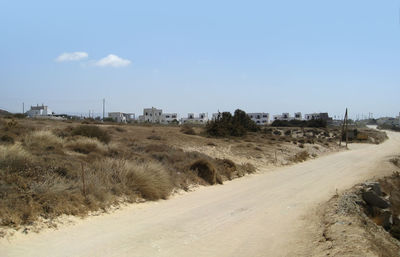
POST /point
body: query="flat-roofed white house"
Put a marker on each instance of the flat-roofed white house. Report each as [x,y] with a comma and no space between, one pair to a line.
[215,115]
[168,118]
[260,118]
[283,116]
[151,115]
[317,116]
[297,116]
[192,119]
[39,111]
[121,117]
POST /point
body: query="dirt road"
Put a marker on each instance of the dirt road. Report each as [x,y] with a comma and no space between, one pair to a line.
[261,215]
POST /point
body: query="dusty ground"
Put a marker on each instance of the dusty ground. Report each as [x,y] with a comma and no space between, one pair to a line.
[345,229]
[267,214]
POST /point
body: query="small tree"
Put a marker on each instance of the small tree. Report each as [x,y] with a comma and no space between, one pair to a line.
[227,125]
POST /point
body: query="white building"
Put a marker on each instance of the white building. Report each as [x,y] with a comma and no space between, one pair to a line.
[284,116]
[215,115]
[38,111]
[121,117]
[201,119]
[317,116]
[151,115]
[168,118]
[260,118]
[297,116]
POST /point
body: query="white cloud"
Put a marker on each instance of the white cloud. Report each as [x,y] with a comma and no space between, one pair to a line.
[75,56]
[113,61]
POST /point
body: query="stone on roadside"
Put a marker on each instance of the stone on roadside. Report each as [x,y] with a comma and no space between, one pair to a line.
[371,198]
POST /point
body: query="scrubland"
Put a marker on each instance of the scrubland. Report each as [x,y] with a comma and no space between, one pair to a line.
[49,168]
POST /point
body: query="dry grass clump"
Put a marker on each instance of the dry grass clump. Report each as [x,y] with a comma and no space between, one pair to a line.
[43,140]
[86,145]
[154,137]
[91,131]
[300,156]
[6,139]
[227,168]
[14,157]
[188,130]
[395,161]
[150,179]
[205,170]
[247,168]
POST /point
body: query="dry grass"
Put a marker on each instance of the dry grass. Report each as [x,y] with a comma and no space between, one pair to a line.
[43,140]
[92,131]
[205,170]
[41,174]
[14,157]
[150,179]
[86,145]
[188,130]
[300,156]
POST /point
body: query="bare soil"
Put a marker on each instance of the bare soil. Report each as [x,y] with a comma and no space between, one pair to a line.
[347,229]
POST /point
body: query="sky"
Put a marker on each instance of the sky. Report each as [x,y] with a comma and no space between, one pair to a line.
[201,56]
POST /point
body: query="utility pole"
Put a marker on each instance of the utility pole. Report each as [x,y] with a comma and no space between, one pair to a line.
[344,129]
[104,107]
[347,136]
[23,108]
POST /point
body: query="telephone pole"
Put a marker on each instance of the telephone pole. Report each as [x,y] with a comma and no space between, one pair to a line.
[104,107]
[23,108]
[344,129]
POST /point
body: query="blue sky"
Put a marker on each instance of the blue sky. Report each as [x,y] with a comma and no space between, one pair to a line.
[201,56]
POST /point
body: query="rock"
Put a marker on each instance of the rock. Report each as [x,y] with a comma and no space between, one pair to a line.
[371,198]
[374,186]
[387,220]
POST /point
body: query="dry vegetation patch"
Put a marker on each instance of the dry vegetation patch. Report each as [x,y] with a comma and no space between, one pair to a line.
[53,168]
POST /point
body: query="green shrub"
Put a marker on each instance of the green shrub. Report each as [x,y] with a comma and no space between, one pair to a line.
[227,125]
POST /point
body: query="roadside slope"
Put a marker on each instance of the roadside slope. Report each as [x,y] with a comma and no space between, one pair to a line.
[260,215]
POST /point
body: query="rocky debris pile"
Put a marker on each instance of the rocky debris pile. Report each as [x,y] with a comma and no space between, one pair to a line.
[377,206]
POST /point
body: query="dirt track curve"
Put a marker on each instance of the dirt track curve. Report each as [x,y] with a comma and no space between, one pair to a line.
[261,215]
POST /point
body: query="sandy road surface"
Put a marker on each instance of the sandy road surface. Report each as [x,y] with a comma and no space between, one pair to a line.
[260,215]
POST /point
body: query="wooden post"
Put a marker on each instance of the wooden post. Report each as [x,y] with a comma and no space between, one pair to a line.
[347,136]
[344,129]
[83,181]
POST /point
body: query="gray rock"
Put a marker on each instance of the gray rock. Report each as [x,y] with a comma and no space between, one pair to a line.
[371,198]
[387,219]
[374,186]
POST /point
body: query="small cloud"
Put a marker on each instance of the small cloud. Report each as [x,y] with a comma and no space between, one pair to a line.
[113,61]
[75,56]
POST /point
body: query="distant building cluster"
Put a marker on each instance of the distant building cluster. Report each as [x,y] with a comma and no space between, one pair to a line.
[155,115]
[39,111]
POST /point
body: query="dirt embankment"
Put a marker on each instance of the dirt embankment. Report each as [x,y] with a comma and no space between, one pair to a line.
[365,220]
